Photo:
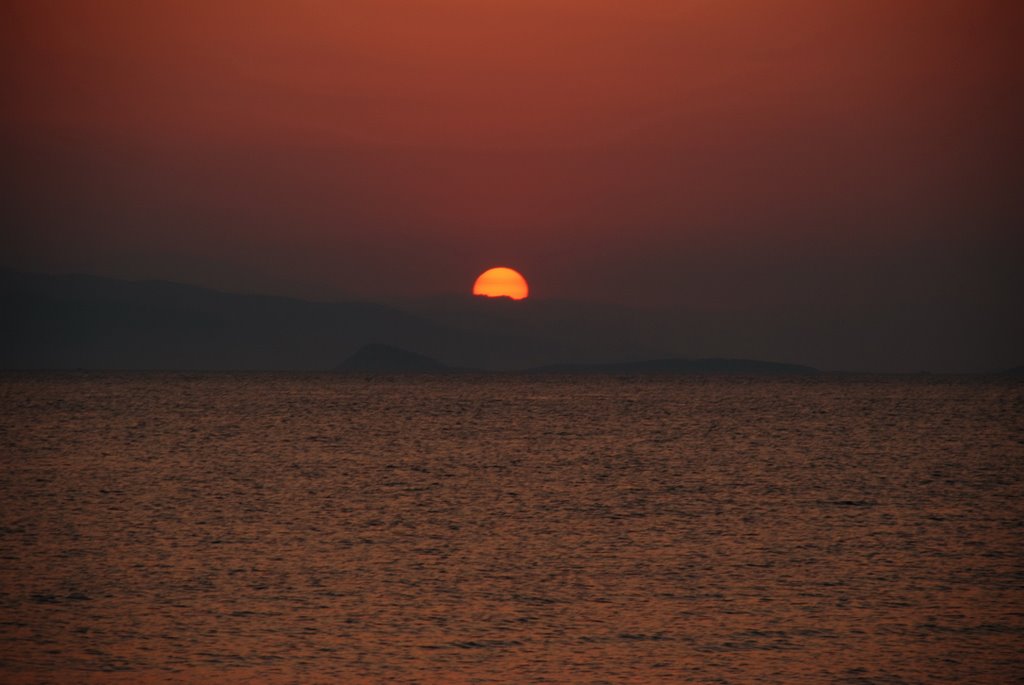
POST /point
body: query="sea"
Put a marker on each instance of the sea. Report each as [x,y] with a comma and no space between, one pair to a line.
[502,528]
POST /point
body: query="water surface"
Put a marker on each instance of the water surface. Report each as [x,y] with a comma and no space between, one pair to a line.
[303,528]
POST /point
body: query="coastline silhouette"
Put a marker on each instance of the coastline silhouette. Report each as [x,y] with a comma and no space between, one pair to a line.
[89,322]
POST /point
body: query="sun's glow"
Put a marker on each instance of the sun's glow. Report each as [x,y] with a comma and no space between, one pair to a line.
[501,282]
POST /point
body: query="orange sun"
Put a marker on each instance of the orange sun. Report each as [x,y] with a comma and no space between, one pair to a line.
[501,282]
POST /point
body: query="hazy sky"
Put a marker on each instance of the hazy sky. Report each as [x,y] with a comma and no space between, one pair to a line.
[699,153]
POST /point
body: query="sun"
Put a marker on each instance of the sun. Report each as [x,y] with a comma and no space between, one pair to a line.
[501,281]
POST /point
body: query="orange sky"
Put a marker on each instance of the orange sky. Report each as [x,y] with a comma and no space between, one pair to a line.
[691,152]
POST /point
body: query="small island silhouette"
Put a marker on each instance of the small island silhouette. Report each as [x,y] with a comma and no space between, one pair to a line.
[747,367]
[381,358]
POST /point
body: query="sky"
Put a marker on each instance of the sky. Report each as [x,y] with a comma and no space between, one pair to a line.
[861,159]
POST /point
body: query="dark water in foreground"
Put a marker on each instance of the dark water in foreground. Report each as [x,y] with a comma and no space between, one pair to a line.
[275,528]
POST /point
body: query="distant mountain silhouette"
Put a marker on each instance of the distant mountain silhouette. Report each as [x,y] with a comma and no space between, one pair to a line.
[380,358]
[87,322]
[84,322]
[748,367]
[1015,371]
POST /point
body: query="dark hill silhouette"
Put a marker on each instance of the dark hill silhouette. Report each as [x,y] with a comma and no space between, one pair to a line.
[71,322]
[745,367]
[380,358]
[86,322]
